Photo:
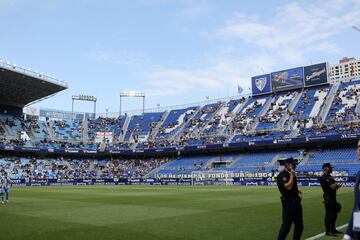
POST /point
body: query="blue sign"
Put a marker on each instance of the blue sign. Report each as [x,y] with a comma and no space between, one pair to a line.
[315,74]
[174,180]
[245,142]
[261,84]
[287,79]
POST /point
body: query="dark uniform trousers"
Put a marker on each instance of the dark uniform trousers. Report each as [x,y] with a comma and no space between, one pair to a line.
[349,231]
[291,213]
[330,213]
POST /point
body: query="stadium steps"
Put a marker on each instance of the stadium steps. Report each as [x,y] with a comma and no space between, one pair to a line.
[50,130]
[181,128]
[9,131]
[223,104]
[274,161]
[209,163]
[2,124]
[290,108]
[132,141]
[32,137]
[266,107]
[234,113]
[155,170]
[262,113]
[290,125]
[85,131]
[307,157]
[295,132]
[328,102]
[357,108]
[315,112]
[230,138]
[124,128]
[159,124]
[230,125]
[234,162]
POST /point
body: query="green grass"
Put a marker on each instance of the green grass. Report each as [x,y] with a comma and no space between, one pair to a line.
[135,212]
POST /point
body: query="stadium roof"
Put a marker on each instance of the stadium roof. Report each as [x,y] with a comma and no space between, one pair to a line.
[20,86]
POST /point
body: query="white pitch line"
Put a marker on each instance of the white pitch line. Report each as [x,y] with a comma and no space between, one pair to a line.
[323,234]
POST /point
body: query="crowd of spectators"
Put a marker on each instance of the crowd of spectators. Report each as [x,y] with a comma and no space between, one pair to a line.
[104,124]
[43,169]
[331,129]
[175,123]
[277,110]
[220,125]
[2,131]
[221,120]
[298,113]
[242,120]
[349,113]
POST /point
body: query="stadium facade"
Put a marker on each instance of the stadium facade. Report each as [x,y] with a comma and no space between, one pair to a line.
[310,113]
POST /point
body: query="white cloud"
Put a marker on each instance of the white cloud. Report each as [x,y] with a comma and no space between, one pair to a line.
[169,81]
[288,38]
[222,75]
[296,28]
[295,32]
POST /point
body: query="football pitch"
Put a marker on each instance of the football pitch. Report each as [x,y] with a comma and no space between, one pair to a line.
[157,212]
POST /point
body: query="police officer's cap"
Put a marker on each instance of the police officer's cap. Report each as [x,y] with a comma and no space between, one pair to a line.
[326,165]
[288,160]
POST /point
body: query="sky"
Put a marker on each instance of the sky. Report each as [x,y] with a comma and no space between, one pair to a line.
[175,51]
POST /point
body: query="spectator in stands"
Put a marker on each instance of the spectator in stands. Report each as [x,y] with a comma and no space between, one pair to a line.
[44,169]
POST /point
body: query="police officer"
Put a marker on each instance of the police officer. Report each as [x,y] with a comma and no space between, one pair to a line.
[291,201]
[332,207]
[350,233]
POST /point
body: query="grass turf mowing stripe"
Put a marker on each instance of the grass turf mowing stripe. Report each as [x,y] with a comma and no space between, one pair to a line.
[323,234]
[144,213]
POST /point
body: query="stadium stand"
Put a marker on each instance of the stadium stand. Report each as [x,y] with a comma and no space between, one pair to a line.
[308,107]
[101,124]
[277,110]
[304,115]
[345,102]
[42,169]
[221,120]
[142,125]
[67,129]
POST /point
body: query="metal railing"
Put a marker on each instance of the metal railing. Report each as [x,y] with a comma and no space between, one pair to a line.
[32,73]
[173,107]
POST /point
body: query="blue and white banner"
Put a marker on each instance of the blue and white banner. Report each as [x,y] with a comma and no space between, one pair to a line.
[315,74]
[258,179]
[246,142]
[261,84]
[287,79]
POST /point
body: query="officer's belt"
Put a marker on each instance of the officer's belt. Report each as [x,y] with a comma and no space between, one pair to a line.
[290,199]
[329,196]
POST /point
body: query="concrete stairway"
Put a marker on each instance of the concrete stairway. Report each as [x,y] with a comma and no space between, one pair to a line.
[124,128]
[85,131]
[329,99]
[176,135]
[159,124]
[262,113]
[290,108]
[152,172]
[234,113]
